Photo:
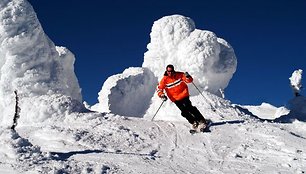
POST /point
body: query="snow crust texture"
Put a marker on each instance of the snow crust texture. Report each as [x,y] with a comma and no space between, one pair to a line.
[19,151]
[108,143]
[31,64]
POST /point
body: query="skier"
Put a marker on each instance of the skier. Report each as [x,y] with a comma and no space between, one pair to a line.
[174,83]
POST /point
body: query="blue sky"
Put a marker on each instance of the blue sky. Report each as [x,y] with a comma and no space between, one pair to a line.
[269,39]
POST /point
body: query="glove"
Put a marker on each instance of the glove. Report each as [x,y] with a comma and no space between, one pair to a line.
[163,97]
[187,75]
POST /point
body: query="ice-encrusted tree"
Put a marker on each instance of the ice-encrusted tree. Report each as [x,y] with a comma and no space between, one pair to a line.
[296,82]
[42,73]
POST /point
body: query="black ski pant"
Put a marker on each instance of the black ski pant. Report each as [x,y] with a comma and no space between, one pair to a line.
[191,113]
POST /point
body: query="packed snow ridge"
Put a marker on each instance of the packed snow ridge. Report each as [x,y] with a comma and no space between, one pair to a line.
[56,134]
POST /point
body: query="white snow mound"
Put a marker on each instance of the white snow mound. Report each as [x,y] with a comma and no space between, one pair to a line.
[296,81]
[175,40]
[267,111]
[16,148]
[30,62]
[127,94]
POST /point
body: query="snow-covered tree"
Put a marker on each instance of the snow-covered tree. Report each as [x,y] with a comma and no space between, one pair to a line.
[42,73]
[175,40]
[296,81]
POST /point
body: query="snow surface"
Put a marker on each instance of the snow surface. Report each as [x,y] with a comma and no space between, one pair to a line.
[108,143]
[55,134]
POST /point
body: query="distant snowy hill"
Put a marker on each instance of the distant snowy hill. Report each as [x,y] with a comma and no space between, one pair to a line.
[267,111]
[55,134]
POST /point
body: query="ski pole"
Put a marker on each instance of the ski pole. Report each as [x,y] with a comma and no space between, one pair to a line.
[211,106]
[158,110]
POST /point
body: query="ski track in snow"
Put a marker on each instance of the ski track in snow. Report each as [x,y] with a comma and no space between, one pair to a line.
[116,144]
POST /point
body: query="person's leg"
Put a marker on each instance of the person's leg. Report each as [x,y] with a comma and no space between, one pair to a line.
[184,112]
[194,111]
[199,117]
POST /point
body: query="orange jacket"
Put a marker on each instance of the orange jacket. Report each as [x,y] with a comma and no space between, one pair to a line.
[175,86]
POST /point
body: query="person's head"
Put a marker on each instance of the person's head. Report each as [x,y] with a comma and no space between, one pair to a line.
[170,70]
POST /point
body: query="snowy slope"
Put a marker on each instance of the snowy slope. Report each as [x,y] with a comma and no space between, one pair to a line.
[107,143]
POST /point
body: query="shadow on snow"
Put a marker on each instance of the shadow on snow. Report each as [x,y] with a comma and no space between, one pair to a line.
[227,122]
[63,156]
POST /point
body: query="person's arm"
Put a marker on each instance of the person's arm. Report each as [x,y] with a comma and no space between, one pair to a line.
[161,87]
[187,77]
[160,90]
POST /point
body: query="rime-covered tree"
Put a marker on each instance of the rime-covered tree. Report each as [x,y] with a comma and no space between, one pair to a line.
[296,82]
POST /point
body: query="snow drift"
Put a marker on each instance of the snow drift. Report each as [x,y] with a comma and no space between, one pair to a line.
[14,147]
[128,93]
[266,111]
[174,40]
[31,64]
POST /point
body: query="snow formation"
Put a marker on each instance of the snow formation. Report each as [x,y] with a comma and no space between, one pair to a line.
[174,40]
[296,81]
[14,147]
[128,93]
[30,63]
[294,110]
[267,111]
[296,105]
